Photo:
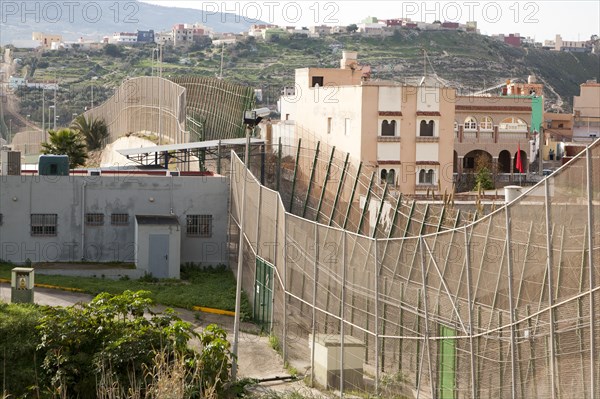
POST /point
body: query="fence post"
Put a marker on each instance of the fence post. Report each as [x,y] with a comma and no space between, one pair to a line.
[549,265]
[376,282]
[590,237]
[470,308]
[425,306]
[342,321]
[513,344]
[314,310]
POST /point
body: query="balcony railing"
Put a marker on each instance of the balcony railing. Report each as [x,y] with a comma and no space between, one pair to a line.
[513,127]
[388,139]
[427,139]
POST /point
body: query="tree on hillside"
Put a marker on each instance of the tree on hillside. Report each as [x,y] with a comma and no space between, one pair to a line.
[66,142]
[351,28]
[94,131]
[112,50]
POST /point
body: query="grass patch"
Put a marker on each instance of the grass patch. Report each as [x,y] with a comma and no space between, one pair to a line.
[274,343]
[210,287]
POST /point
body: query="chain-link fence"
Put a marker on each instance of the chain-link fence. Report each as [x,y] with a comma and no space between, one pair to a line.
[417,301]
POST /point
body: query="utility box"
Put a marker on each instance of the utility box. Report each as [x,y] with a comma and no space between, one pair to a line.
[328,352]
[10,163]
[53,165]
[21,284]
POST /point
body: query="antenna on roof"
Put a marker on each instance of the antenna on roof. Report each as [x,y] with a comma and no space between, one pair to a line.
[424,63]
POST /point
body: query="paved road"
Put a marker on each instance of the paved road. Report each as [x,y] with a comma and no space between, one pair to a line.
[44,296]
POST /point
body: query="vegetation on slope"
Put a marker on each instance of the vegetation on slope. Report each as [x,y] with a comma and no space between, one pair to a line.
[468,61]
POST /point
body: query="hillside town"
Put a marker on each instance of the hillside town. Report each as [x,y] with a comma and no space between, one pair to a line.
[369,232]
[187,33]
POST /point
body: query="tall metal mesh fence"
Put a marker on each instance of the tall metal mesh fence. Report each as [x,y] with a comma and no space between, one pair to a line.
[148,105]
[216,106]
[420,305]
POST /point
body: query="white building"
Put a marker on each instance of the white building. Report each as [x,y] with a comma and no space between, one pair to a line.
[93,218]
[124,38]
[163,38]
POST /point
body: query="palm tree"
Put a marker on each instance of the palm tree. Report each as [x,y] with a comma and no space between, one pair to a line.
[93,130]
[66,142]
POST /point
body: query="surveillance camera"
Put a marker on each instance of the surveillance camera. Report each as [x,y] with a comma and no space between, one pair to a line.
[262,112]
[255,116]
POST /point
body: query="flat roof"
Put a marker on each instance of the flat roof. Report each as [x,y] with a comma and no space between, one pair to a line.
[188,146]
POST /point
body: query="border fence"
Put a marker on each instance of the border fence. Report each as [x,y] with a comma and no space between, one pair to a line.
[417,301]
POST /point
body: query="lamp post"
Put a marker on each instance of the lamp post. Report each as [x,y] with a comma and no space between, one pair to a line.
[154,51]
[54,124]
[43,114]
[55,87]
[92,86]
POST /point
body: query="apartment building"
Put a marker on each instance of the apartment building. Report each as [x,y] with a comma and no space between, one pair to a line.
[46,40]
[188,33]
[586,112]
[404,131]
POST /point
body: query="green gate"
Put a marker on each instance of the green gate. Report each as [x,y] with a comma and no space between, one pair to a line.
[447,364]
[263,293]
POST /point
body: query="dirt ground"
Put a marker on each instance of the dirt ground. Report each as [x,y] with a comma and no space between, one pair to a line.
[256,358]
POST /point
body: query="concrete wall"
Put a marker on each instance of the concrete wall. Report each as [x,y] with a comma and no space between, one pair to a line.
[70,197]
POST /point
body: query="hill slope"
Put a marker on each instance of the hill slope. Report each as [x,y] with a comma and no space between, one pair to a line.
[467,61]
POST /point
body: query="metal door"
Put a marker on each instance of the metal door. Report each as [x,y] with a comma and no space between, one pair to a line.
[158,255]
[263,293]
[447,364]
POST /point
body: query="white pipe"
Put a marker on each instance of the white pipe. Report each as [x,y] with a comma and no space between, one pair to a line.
[83,220]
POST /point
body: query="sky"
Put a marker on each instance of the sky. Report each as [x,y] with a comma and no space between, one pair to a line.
[542,20]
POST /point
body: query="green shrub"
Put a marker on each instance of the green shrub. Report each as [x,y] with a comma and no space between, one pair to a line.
[110,334]
[19,363]
[483,180]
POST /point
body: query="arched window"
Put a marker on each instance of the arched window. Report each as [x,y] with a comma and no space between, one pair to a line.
[383,175]
[391,177]
[470,123]
[422,176]
[430,176]
[426,129]
[486,123]
[388,128]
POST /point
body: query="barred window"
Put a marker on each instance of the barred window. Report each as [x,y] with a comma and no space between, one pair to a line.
[119,219]
[94,219]
[43,224]
[199,226]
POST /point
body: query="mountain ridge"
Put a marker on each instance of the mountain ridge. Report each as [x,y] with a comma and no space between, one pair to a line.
[97,19]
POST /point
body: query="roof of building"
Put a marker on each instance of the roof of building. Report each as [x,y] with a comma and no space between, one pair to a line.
[187,146]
